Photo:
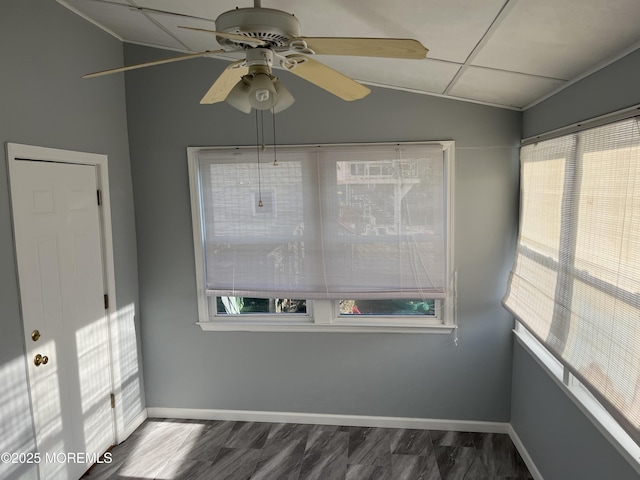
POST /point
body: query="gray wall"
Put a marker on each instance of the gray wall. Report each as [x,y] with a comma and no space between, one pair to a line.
[561,440]
[608,90]
[368,374]
[44,50]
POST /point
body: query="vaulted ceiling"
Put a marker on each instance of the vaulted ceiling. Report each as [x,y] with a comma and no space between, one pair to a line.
[508,53]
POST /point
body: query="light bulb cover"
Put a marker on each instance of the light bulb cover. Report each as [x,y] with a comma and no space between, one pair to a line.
[239,96]
[262,93]
[285,99]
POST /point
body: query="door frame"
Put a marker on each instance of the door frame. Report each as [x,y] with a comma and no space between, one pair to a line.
[17,152]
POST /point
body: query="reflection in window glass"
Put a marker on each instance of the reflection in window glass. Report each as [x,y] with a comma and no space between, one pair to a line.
[244,305]
[387,307]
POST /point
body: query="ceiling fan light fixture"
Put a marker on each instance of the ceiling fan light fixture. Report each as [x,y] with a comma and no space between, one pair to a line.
[285,99]
[262,92]
[263,36]
[239,96]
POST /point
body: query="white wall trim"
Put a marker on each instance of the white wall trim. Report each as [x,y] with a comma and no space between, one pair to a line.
[522,450]
[330,419]
[16,151]
[322,315]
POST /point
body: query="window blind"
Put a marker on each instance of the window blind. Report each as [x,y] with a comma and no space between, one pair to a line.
[343,221]
[575,283]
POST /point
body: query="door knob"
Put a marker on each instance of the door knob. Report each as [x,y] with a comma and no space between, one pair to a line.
[40,360]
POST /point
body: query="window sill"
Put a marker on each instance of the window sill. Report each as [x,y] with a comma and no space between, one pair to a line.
[323,328]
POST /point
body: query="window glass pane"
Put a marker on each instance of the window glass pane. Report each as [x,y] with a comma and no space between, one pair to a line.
[542,191]
[246,305]
[354,221]
[609,216]
[251,248]
[385,229]
[388,307]
[389,197]
[581,295]
[604,346]
[532,289]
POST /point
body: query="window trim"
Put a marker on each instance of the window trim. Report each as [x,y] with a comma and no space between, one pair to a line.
[559,329]
[561,371]
[322,315]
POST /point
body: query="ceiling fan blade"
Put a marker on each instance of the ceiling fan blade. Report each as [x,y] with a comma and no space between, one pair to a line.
[327,78]
[231,36]
[364,47]
[151,64]
[225,83]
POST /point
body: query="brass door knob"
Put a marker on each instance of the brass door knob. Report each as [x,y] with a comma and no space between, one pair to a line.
[35,335]
[40,360]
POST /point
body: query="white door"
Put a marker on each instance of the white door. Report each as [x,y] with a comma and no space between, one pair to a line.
[60,270]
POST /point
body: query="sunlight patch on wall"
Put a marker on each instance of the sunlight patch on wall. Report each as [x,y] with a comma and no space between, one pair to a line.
[92,344]
[16,427]
[128,363]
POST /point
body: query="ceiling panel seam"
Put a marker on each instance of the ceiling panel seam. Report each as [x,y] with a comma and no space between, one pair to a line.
[159,25]
[440,95]
[501,15]
[164,12]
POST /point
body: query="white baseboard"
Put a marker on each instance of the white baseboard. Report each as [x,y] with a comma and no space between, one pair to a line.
[133,425]
[330,419]
[535,473]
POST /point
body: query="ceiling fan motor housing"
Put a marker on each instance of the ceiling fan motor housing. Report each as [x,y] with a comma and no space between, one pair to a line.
[272,26]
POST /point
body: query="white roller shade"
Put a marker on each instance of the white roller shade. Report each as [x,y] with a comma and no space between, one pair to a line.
[345,221]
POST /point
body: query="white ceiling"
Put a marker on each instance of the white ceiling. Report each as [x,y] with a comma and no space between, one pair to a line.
[508,53]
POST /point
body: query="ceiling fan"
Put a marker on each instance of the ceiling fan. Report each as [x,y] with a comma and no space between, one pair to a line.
[271,38]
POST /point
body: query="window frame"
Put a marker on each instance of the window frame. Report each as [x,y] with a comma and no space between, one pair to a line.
[324,315]
[593,405]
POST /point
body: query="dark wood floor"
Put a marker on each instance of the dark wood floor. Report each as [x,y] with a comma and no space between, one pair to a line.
[225,450]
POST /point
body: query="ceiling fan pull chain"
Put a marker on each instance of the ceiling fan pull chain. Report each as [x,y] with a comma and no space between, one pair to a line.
[275,156]
[258,152]
[263,146]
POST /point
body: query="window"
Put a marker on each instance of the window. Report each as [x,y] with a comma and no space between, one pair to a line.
[353,236]
[575,284]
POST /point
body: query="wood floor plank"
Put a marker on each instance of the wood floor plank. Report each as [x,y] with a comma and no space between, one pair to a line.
[226,450]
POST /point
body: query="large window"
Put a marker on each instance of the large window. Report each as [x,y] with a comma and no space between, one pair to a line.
[575,284]
[332,236]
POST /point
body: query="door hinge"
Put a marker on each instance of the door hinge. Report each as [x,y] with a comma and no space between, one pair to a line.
[113,401]
[106,301]
[99,192]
